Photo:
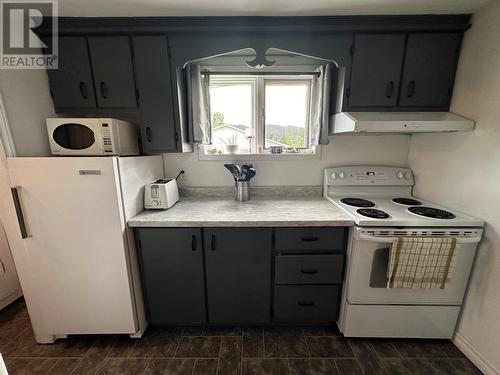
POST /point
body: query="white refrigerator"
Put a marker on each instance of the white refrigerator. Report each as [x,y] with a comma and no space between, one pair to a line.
[78,267]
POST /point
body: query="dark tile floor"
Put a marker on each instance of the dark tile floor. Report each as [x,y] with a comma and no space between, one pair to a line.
[210,350]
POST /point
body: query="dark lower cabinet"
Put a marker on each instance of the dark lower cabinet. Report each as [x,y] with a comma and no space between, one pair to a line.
[308,272]
[224,276]
[305,303]
[238,272]
[173,275]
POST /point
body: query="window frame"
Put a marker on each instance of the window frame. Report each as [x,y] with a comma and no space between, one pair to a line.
[292,80]
[239,80]
[258,115]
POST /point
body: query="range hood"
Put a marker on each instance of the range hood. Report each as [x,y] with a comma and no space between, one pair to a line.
[399,122]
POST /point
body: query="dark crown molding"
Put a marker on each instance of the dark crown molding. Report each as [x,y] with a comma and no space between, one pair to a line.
[316,24]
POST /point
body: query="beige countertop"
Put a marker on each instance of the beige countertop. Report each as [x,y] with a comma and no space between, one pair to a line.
[257,212]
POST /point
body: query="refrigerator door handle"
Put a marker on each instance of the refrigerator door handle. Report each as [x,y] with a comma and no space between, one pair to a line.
[19,212]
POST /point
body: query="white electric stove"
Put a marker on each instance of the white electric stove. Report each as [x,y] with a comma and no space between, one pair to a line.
[381,203]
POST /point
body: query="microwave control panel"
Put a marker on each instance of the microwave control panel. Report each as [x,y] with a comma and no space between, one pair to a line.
[106,138]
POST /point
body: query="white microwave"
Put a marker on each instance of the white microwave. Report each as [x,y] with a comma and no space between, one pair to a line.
[92,137]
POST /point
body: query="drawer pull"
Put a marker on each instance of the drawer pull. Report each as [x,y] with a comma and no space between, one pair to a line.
[309,272]
[305,303]
[309,239]
[193,242]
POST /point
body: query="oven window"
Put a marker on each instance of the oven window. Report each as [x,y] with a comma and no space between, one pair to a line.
[73,136]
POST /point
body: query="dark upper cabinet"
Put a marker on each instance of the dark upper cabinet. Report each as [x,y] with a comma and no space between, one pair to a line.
[238,274]
[376,70]
[429,70]
[173,275]
[111,60]
[71,84]
[152,74]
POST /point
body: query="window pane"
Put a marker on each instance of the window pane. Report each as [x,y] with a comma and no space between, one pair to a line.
[231,114]
[286,114]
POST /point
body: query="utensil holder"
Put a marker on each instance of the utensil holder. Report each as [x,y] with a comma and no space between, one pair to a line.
[242,191]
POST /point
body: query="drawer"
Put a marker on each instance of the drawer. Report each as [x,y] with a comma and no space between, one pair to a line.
[331,239]
[306,303]
[309,269]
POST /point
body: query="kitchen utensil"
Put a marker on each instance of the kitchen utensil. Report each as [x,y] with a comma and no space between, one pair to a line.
[250,173]
[244,171]
[234,171]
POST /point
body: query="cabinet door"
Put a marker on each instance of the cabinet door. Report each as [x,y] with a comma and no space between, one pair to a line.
[238,269]
[71,84]
[173,277]
[376,70]
[113,74]
[152,73]
[429,71]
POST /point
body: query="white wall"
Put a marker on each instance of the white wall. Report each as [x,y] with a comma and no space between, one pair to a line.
[463,171]
[342,150]
[27,102]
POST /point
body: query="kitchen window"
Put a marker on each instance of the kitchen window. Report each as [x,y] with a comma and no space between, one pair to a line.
[259,115]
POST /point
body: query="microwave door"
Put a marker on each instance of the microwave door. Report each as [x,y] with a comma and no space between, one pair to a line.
[74,136]
[78,137]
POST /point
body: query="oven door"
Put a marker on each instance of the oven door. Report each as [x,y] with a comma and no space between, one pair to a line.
[368,260]
[75,136]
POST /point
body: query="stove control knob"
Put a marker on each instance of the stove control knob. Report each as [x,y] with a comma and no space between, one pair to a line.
[400,175]
[407,175]
[342,175]
[333,176]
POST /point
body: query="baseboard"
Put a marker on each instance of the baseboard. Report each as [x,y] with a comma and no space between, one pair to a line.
[11,298]
[470,352]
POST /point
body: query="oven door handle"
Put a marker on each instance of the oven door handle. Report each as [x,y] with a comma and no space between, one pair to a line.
[368,237]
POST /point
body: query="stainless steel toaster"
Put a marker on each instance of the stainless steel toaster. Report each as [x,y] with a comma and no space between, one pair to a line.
[161,194]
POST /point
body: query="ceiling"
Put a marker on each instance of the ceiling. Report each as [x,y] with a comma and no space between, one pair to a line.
[124,8]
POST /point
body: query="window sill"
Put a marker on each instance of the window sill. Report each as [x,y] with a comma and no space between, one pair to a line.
[204,156]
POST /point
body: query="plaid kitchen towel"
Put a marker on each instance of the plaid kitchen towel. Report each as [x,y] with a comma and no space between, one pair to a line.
[421,262]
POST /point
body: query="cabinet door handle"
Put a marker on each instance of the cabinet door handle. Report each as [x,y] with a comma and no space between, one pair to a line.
[83,90]
[309,238]
[305,303]
[309,272]
[3,265]
[149,136]
[410,89]
[104,90]
[19,212]
[213,243]
[193,242]
[389,89]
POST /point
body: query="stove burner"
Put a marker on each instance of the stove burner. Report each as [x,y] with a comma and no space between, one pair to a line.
[373,213]
[357,202]
[435,213]
[407,201]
